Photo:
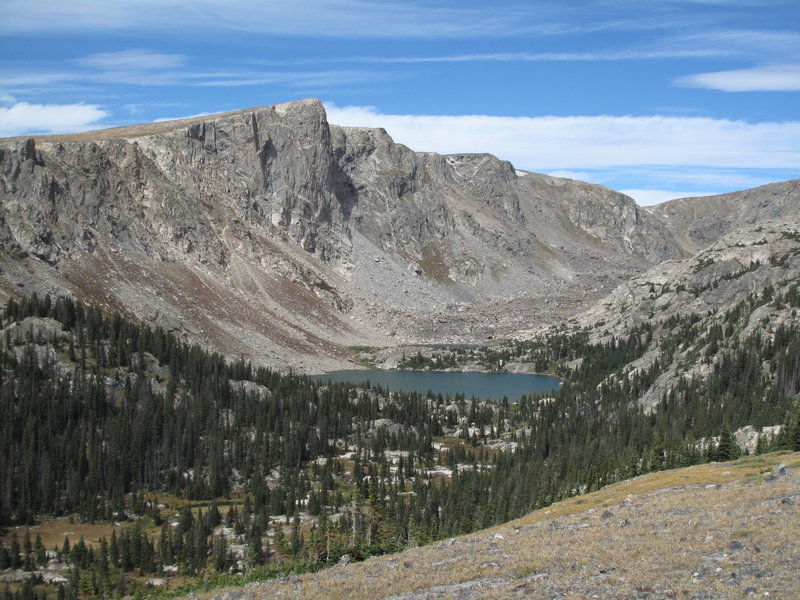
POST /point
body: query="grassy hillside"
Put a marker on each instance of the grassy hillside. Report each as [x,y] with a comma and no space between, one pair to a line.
[720,530]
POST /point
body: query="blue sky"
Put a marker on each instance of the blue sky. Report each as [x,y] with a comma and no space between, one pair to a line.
[657,98]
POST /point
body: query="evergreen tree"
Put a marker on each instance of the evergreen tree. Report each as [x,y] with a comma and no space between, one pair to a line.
[725,447]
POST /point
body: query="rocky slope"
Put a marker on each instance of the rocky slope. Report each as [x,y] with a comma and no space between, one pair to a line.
[745,261]
[271,234]
[728,528]
[727,291]
[698,222]
[693,318]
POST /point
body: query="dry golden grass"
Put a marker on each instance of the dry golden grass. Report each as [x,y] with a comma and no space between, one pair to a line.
[53,532]
[711,531]
[747,468]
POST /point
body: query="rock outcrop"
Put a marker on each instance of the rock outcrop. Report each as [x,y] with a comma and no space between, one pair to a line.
[732,281]
[748,437]
[271,234]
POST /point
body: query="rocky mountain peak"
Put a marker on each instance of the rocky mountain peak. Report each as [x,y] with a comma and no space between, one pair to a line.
[270,233]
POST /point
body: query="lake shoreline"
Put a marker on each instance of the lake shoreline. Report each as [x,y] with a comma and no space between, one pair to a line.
[483,385]
[392,358]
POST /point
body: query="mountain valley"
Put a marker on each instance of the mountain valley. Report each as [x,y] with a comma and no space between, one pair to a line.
[168,286]
[269,234]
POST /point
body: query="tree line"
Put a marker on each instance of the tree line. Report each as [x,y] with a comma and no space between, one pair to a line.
[99,413]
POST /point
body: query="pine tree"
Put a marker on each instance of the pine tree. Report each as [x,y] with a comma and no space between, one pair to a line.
[296,539]
[793,429]
[14,550]
[41,553]
[725,450]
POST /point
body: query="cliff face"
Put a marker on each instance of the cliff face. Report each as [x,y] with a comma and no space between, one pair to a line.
[463,247]
[221,228]
[269,233]
[171,194]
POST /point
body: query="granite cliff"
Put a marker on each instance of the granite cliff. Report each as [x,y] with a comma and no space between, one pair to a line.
[271,234]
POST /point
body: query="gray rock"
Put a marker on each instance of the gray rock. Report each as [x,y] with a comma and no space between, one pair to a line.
[699,222]
[779,471]
[735,545]
[747,438]
[708,284]
[270,234]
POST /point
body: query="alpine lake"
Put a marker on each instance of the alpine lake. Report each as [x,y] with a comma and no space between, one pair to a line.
[485,386]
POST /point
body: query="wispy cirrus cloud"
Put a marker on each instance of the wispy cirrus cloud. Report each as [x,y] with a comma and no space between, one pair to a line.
[133,59]
[359,19]
[326,18]
[24,118]
[769,78]
[602,55]
[32,77]
[129,67]
[302,79]
[756,43]
[143,67]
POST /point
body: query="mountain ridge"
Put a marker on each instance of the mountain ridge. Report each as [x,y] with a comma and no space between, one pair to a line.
[722,213]
[271,234]
[155,127]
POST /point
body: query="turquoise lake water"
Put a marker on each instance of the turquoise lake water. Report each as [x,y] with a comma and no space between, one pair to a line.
[486,386]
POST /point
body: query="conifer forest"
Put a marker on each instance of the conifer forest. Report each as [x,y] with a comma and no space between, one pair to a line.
[203,468]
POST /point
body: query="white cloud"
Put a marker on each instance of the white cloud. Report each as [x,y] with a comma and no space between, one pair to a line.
[326,18]
[32,79]
[132,60]
[651,197]
[568,174]
[592,142]
[688,178]
[302,79]
[611,55]
[766,44]
[346,18]
[148,68]
[24,118]
[772,78]
[361,19]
